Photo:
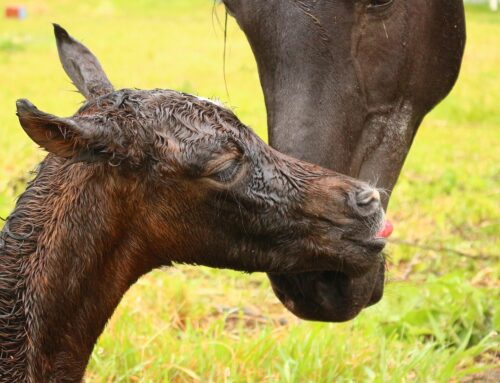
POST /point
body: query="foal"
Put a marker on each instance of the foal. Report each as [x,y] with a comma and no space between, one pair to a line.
[138,179]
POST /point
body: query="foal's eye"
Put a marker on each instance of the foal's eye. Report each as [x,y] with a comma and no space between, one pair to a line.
[379,4]
[227,171]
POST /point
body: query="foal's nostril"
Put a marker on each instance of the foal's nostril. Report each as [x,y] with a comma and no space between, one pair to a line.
[366,197]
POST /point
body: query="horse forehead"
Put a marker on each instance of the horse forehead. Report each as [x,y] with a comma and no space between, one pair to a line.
[166,111]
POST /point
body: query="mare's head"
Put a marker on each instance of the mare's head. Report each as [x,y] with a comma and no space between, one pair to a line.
[200,187]
[346,85]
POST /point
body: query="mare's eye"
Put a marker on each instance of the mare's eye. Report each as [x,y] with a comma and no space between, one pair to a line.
[227,171]
[379,4]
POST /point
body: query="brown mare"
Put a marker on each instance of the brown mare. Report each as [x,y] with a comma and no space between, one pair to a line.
[347,84]
[139,179]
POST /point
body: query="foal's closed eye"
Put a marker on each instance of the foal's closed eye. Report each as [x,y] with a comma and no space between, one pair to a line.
[227,172]
[224,168]
[379,4]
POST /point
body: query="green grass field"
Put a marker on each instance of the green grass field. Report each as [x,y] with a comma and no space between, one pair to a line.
[440,317]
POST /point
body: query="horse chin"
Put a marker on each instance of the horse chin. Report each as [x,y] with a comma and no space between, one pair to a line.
[328,296]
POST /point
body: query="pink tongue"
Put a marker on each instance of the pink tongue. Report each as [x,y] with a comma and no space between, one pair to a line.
[386,230]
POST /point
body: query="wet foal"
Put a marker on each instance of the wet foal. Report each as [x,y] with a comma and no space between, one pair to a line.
[138,179]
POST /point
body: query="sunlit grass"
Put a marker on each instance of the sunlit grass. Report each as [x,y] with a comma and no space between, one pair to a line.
[438,318]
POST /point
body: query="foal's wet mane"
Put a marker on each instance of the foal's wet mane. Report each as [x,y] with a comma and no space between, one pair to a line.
[18,244]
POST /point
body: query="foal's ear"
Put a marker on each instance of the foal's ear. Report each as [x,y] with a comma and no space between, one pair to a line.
[81,65]
[61,136]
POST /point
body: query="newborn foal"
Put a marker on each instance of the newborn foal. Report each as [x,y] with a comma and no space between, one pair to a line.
[138,179]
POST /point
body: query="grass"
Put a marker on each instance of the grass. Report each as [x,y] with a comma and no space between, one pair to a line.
[439,319]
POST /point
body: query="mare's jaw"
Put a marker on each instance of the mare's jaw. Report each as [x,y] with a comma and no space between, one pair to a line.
[328,296]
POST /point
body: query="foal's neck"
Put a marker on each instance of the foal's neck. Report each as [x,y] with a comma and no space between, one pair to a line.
[66,259]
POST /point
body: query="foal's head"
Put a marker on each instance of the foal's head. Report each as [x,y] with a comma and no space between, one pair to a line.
[206,190]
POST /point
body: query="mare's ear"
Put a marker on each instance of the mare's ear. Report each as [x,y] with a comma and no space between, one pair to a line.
[81,66]
[61,136]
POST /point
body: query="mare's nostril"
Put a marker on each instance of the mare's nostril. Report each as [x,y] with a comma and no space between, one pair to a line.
[367,197]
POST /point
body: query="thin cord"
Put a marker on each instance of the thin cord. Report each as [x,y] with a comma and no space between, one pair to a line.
[224,56]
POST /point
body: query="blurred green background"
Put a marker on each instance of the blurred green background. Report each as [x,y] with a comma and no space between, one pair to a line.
[439,319]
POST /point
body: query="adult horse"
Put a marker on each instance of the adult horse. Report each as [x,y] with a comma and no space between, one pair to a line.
[347,84]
